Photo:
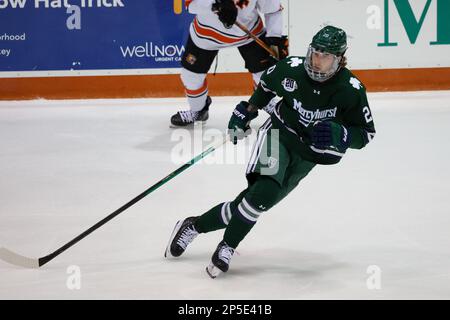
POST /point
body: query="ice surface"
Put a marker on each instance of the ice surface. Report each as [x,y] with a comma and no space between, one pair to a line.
[64,165]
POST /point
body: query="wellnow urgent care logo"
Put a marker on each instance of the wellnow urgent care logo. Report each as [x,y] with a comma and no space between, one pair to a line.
[149,50]
[155,51]
[412,15]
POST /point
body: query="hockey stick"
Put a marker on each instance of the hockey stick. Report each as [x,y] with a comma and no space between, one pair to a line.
[19,260]
[258,41]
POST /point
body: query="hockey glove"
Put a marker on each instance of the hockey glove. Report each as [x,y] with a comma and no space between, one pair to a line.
[279,45]
[326,134]
[239,124]
[227,12]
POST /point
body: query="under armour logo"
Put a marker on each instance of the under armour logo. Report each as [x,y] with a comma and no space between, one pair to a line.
[262,207]
[317,91]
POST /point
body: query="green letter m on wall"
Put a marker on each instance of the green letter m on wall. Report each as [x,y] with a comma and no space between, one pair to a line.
[412,26]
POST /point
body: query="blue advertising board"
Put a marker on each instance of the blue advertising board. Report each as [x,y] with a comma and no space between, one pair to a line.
[50,35]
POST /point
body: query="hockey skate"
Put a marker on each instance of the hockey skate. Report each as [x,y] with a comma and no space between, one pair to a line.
[220,260]
[188,117]
[183,234]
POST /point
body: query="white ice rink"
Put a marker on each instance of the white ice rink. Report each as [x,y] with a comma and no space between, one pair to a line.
[64,165]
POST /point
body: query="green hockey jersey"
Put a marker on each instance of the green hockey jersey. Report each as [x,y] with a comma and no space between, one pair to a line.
[341,99]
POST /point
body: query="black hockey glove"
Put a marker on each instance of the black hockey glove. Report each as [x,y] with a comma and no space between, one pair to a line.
[227,12]
[279,45]
[239,124]
[326,134]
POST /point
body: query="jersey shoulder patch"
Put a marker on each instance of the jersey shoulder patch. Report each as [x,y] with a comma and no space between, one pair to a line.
[294,62]
[350,81]
[355,83]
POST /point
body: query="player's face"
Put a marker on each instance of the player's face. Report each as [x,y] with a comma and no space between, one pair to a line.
[322,61]
[321,65]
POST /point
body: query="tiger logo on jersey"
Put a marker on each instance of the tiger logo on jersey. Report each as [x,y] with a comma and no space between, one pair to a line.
[191,59]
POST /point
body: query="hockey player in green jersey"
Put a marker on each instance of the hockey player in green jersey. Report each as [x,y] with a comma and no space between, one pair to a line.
[323,111]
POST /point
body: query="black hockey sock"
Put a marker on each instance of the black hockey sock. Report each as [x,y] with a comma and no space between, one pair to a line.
[211,220]
[259,197]
[236,231]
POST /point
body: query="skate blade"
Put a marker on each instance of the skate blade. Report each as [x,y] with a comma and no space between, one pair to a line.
[213,271]
[177,227]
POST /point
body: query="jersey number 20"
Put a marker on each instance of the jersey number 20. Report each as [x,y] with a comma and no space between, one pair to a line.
[367,114]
